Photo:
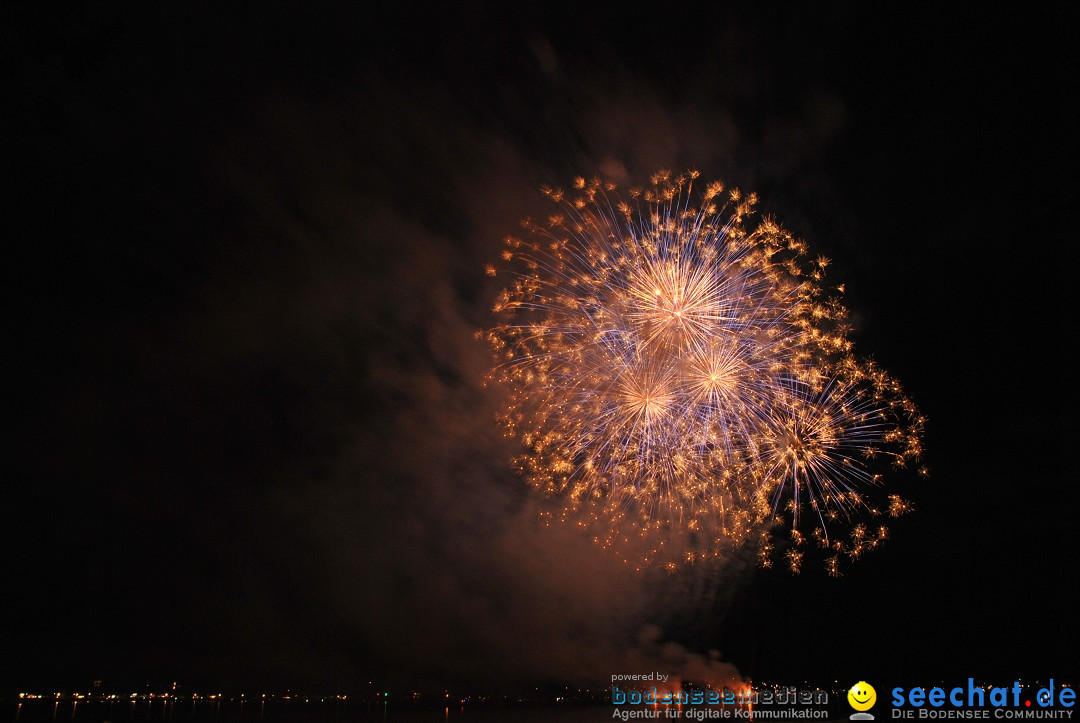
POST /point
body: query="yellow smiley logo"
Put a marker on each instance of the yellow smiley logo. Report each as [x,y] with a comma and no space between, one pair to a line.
[862,696]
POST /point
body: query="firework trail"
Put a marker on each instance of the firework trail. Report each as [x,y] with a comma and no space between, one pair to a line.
[684,386]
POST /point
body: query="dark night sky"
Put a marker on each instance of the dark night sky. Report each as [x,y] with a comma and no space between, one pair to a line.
[244,259]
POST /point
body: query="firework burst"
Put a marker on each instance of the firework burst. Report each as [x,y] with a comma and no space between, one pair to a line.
[684,386]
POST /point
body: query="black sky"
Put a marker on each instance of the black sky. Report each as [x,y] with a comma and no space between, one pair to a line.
[247,434]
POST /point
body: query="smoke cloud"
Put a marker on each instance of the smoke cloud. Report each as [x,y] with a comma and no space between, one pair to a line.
[414,540]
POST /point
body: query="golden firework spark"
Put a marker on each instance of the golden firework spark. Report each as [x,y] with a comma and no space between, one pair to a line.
[683,385]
